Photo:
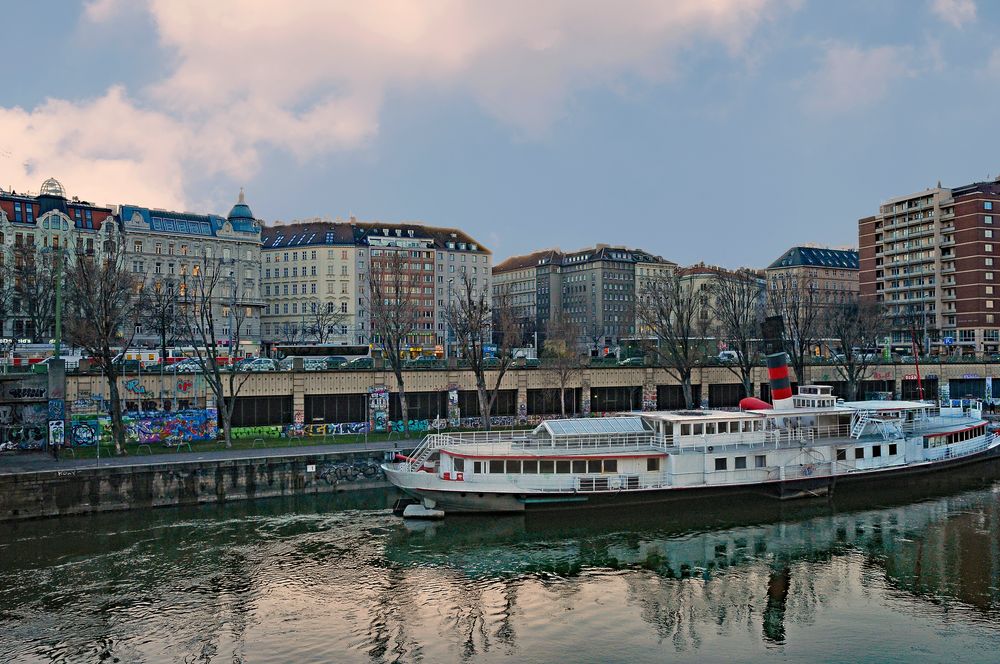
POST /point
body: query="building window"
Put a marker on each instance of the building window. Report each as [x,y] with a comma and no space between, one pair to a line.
[987,205]
[988,219]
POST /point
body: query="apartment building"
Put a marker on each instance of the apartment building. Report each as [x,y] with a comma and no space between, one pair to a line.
[33,228]
[170,248]
[326,264]
[702,279]
[930,257]
[595,288]
[830,275]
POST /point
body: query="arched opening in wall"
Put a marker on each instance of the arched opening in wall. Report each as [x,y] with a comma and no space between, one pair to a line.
[725,395]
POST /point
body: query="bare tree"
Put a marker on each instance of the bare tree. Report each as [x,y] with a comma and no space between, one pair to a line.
[474,317]
[672,309]
[104,302]
[161,314]
[321,320]
[798,301]
[211,298]
[393,290]
[857,326]
[562,353]
[35,290]
[737,306]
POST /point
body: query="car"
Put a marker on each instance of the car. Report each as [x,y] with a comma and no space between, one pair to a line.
[632,362]
[729,356]
[423,362]
[334,361]
[70,363]
[258,364]
[359,363]
[189,365]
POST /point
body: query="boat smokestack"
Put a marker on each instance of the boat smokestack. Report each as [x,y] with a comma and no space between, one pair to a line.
[781,385]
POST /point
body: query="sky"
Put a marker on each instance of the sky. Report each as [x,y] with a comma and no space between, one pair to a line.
[722,131]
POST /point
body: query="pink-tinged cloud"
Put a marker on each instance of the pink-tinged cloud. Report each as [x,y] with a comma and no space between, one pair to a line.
[310,77]
[852,78]
[955,12]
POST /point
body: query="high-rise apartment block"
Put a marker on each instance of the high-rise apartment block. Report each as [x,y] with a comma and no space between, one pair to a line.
[930,257]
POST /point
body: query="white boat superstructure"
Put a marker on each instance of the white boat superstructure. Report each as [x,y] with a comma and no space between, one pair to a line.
[801,449]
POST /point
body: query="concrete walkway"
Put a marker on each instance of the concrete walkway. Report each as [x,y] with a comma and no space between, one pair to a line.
[34,462]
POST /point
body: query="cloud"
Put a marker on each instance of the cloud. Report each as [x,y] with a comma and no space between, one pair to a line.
[852,78]
[955,12]
[310,77]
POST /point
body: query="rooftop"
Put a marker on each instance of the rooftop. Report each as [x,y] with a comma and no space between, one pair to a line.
[844,259]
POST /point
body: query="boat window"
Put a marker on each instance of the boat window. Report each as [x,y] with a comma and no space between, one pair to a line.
[760,461]
[611,465]
[709,427]
[685,429]
[652,464]
[477,466]
[562,466]
[876,450]
[841,454]
[720,463]
[547,466]
[739,463]
[859,453]
[723,427]
[698,429]
[579,466]
[747,425]
[594,466]
[496,466]
[758,425]
[893,449]
[458,463]
[513,466]
[531,467]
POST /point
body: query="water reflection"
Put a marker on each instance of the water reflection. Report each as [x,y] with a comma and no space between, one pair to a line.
[338,578]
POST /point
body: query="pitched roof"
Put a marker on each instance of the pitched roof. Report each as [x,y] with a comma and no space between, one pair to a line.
[526,260]
[361,233]
[844,259]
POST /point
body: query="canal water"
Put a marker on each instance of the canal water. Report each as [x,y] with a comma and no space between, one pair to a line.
[894,577]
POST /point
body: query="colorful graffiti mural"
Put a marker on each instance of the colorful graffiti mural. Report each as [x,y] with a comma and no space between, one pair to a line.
[23,426]
[156,427]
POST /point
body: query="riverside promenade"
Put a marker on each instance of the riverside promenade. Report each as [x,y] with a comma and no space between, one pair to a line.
[35,462]
[36,485]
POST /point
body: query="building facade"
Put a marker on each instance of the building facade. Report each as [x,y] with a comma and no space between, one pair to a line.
[595,288]
[37,231]
[173,248]
[930,258]
[831,274]
[327,263]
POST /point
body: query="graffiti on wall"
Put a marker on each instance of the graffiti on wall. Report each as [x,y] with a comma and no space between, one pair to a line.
[335,473]
[378,408]
[23,426]
[154,427]
[649,397]
[135,387]
[34,387]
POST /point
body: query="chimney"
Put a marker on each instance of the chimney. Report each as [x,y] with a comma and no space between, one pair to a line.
[781,386]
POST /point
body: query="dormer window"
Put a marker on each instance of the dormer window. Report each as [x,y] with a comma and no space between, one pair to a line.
[410,233]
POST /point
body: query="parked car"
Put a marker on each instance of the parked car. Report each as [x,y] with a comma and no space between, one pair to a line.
[72,363]
[632,362]
[423,362]
[729,356]
[258,364]
[359,363]
[334,361]
[190,365]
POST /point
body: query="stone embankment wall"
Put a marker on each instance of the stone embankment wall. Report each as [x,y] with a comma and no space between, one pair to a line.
[101,489]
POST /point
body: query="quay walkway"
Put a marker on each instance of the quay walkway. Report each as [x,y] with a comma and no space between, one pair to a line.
[35,462]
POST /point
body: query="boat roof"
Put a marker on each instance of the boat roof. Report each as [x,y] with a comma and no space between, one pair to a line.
[887,405]
[792,412]
[592,425]
[704,415]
